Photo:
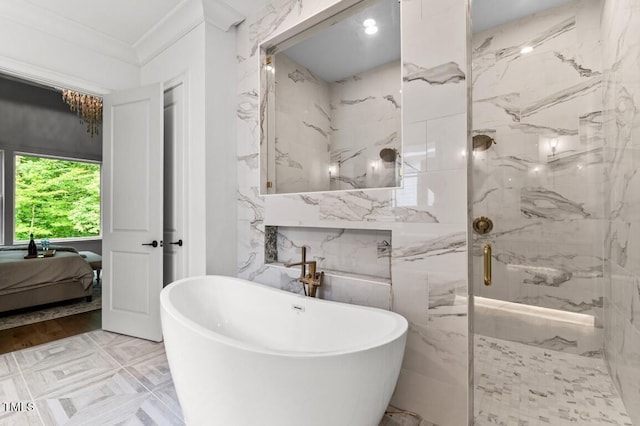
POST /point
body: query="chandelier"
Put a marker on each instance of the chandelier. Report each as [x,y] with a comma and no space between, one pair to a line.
[88,108]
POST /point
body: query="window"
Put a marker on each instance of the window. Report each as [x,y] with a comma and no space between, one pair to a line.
[56,198]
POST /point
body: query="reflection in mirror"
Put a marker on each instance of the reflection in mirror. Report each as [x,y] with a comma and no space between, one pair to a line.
[331,103]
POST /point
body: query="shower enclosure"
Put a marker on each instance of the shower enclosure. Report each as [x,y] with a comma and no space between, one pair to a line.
[556,205]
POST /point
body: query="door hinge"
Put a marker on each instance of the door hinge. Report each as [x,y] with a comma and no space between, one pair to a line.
[269,184]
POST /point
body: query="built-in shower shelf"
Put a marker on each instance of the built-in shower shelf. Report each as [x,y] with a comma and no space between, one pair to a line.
[334,273]
[360,254]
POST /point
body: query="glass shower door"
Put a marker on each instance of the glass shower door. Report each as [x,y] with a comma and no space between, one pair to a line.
[537,202]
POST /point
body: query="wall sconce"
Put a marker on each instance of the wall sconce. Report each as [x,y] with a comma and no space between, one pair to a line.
[332,170]
[526,49]
[553,144]
[268,65]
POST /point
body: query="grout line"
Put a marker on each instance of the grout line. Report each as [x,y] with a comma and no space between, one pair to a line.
[26,384]
[178,415]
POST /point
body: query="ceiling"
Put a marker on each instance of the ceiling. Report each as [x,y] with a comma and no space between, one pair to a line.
[121,25]
[343,49]
[123,22]
[490,13]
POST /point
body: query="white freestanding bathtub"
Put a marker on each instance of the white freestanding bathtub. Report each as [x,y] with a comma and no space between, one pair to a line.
[242,353]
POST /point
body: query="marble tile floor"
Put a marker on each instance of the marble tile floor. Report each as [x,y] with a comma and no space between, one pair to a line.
[522,385]
[89,379]
[100,378]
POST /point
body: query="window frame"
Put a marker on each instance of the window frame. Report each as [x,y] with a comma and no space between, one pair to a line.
[61,158]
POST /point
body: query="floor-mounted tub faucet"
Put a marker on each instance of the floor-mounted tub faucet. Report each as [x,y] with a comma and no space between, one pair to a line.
[313,279]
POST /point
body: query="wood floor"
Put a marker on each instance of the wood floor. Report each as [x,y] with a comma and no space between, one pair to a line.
[29,335]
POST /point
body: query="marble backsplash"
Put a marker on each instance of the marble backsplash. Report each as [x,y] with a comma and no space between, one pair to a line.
[427,217]
[363,253]
[541,182]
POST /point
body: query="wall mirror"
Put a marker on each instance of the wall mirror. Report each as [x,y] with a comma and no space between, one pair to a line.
[330,107]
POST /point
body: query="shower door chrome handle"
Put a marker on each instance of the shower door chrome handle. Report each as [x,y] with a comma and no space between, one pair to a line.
[487,264]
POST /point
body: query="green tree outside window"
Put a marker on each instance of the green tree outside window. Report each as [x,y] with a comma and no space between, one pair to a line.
[56,198]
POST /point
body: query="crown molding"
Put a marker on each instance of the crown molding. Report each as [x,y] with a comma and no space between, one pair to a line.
[178,22]
[57,26]
[221,15]
[48,77]
[181,20]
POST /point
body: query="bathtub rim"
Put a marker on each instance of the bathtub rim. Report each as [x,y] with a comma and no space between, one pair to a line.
[400,329]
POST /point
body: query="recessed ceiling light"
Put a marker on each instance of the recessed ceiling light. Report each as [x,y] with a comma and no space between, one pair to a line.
[369,22]
[526,49]
[371,30]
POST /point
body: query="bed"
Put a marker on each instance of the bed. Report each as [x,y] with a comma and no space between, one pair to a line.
[31,282]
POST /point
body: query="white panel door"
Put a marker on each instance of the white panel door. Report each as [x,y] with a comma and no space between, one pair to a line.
[175,247]
[132,212]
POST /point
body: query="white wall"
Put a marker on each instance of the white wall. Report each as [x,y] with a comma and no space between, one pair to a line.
[203,59]
[184,61]
[220,150]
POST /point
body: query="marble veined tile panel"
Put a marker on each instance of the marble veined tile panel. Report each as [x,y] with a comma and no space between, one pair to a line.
[8,366]
[168,396]
[57,352]
[151,369]
[118,397]
[537,331]
[114,399]
[21,418]
[12,389]
[74,370]
[357,251]
[524,385]
[127,350]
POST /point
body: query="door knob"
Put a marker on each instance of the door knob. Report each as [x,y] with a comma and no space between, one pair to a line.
[178,243]
[153,244]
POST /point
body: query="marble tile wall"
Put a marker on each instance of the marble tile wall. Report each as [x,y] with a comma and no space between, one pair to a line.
[620,35]
[427,217]
[365,118]
[330,134]
[365,253]
[547,205]
[303,126]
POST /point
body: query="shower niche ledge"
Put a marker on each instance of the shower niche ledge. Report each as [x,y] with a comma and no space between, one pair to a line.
[355,254]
